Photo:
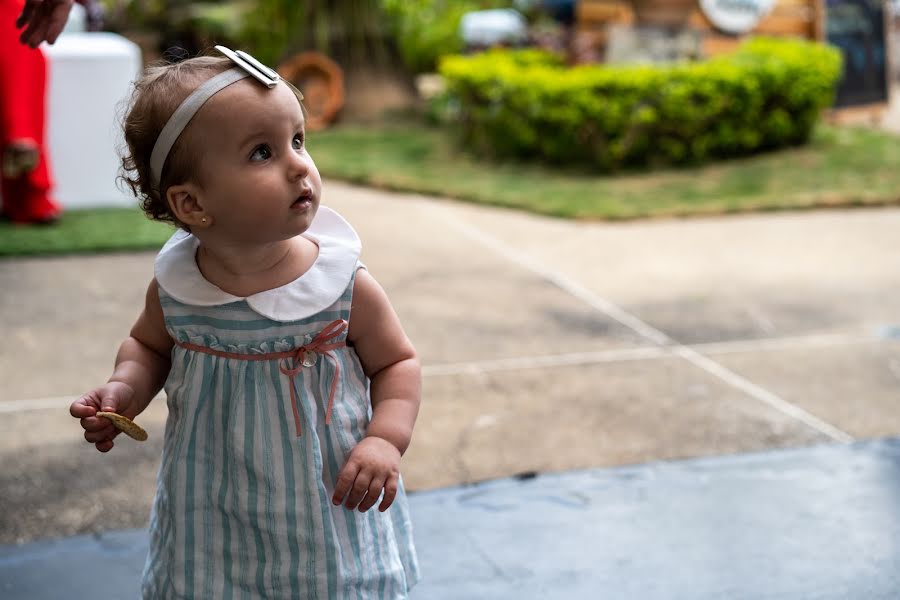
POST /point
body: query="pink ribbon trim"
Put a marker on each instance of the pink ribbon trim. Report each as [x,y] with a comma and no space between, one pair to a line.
[321,344]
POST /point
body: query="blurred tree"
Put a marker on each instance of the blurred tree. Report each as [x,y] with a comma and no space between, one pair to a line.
[174,28]
[425,30]
[351,31]
[124,15]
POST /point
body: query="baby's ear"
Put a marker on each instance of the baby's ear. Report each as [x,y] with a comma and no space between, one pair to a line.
[184,202]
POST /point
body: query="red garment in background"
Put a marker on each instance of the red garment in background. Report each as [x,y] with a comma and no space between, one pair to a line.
[23,82]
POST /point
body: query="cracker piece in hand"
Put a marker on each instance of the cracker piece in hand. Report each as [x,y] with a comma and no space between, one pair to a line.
[125,425]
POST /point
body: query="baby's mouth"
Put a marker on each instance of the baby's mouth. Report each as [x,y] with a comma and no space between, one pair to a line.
[305,199]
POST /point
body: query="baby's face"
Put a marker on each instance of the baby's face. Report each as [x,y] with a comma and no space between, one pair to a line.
[257,180]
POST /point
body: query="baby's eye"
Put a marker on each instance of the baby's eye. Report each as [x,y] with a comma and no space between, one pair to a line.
[261,153]
[298,142]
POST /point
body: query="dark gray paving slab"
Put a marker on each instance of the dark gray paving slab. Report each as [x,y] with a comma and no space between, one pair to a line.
[719,278]
[65,487]
[472,427]
[63,319]
[856,388]
[457,302]
[722,314]
[460,302]
[464,301]
[482,426]
[815,523]
[105,566]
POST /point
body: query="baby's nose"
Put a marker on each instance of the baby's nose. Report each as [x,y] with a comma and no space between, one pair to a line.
[298,164]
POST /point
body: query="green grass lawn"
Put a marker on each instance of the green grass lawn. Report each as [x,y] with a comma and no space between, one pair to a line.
[99,230]
[840,167]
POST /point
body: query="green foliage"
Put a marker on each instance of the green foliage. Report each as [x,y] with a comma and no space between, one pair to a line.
[768,94]
[840,166]
[342,29]
[426,30]
[95,230]
[201,23]
[214,21]
[121,15]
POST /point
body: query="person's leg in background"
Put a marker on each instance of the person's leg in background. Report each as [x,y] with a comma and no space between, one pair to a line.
[25,180]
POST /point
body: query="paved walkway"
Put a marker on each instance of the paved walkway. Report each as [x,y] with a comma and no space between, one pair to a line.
[811,523]
[548,346]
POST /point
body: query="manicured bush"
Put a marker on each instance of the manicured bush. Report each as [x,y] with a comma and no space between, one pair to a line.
[766,95]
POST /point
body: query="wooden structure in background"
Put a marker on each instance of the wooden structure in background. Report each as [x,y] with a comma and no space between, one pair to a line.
[321,81]
[861,95]
[797,18]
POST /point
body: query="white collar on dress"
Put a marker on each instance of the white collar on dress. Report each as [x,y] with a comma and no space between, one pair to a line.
[318,288]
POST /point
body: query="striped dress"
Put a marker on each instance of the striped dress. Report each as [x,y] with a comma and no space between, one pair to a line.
[243,505]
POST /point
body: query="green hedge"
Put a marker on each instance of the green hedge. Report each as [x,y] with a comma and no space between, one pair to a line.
[768,94]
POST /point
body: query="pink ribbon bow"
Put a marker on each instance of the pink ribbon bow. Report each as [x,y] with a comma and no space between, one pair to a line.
[321,344]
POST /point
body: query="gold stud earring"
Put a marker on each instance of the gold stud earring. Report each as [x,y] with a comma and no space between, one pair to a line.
[203,220]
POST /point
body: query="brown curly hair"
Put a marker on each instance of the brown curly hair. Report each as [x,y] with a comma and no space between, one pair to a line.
[155,97]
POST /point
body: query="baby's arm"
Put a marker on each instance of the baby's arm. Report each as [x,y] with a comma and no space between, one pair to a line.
[142,365]
[389,360]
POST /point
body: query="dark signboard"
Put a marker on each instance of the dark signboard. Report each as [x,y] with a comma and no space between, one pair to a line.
[857,27]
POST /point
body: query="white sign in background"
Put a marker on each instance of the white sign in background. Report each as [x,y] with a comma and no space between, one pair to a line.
[736,16]
[90,75]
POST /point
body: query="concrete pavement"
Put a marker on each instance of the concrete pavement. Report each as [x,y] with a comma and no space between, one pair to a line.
[547,346]
[805,523]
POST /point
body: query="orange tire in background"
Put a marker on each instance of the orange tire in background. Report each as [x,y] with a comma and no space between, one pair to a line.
[321,81]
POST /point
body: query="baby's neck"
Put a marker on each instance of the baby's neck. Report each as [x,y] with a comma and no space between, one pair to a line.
[243,271]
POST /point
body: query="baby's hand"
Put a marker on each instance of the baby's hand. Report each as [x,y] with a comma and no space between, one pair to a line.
[372,466]
[113,397]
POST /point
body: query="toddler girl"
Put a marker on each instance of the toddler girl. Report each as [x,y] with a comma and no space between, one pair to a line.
[288,412]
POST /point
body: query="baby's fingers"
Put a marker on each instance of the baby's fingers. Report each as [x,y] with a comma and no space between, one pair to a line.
[101,435]
[390,492]
[359,489]
[373,494]
[97,425]
[86,406]
[102,440]
[344,482]
[104,446]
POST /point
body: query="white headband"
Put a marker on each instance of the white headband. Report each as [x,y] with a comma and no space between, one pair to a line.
[247,66]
